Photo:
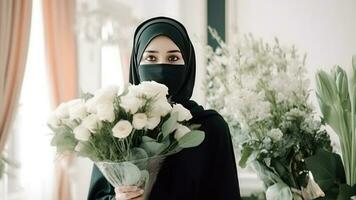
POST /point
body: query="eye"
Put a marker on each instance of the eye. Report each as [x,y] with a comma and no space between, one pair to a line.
[173,58]
[150,58]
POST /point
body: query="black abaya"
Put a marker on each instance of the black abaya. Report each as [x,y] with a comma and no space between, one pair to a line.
[205,172]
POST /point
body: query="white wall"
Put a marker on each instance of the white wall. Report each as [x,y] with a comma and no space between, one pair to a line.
[325,29]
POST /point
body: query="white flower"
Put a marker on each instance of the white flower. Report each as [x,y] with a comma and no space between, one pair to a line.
[101,96]
[183,113]
[160,108]
[91,105]
[139,120]
[248,106]
[105,112]
[78,110]
[81,133]
[181,131]
[53,121]
[122,129]
[276,134]
[92,122]
[152,122]
[150,89]
[62,111]
[106,94]
[311,123]
[131,103]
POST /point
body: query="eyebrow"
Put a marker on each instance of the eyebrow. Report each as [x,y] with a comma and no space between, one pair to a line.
[154,51]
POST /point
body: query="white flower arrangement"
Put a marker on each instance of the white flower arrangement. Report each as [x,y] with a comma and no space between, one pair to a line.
[124,133]
[262,92]
[141,111]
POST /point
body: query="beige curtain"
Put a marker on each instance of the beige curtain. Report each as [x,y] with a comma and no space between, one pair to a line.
[59,16]
[15,19]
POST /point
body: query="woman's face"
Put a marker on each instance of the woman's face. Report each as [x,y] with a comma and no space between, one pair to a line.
[162,50]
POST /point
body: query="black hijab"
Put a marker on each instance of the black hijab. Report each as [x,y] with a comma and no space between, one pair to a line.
[173,29]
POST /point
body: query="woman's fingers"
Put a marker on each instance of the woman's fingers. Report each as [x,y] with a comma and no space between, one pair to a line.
[128,195]
[127,192]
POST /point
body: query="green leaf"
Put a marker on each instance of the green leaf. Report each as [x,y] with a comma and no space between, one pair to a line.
[169,125]
[152,148]
[165,144]
[64,141]
[326,87]
[137,153]
[147,139]
[343,88]
[279,191]
[353,77]
[87,150]
[265,174]
[194,126]
[324,108]
[327,169]
[191,139]
[245,154]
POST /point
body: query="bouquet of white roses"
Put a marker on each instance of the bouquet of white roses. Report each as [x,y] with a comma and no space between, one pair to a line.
[262,91]
[127,135]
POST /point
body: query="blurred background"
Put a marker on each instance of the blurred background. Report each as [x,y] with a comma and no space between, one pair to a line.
[54,50]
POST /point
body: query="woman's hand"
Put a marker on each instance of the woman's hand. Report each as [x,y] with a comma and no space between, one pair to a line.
[128,192]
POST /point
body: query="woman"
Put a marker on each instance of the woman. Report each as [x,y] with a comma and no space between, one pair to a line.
[163,52]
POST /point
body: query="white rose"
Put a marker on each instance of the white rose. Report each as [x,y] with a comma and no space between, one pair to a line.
[81,133]
[53,121]
[160,108]
[91,105]
[105,112]
[78,111]
[131,103]
[122,129]
[62,111]
[181,131]
[106,94]
[101,96]
[139,120]
[152,122]
[149,89]
[276,134]
[92,122]
[183,113]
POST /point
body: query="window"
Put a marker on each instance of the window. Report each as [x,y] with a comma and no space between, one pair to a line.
[29,144]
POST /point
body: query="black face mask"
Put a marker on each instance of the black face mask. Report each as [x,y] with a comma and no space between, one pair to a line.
[170,75]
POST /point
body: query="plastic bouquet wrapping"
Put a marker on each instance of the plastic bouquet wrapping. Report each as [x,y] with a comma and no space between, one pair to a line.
[128,134]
